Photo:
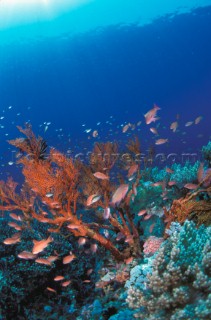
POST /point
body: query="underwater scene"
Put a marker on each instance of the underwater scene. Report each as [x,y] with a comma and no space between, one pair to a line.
[105,159]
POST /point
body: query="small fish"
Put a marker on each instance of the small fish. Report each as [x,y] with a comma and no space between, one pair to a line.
[100,175]
[129,239]
[174,126]
[161,141]
[88,130]
[52,258]
[154,130]
[81,241]
[151,228]
[66,283]
[134,190]
[128,260]
[142,212]
[133,169]
[150,116]
[148,216]
[15,217]
[12,240]
[119,194]
[26,255]
[87,281]
[51,290]
[58,278]
[43,261]
[157,184]
[49,195]
[189,123]
[92,199]
[89,272]
[200,172]
[93,248]
[172,183]
[125,128]
[68,259]
[106,213]
[95,134]
[169,170]
[120,236]
[198,119]
[39,246]
[73,226]
[191,186]
[15,226]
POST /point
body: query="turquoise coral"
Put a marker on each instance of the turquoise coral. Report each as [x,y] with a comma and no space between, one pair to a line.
[180,275]
[206,151]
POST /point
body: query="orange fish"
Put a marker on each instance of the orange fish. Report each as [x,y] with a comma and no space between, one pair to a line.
[200,173]
[81,241]
[52,258]
[58,278]
[154,130]
[51,290]
[133,169]
[128,260]
[119,194]
[26,255]
[126,127]
[89,272]
[151,228]
[172,183]
[92,199]
[15,217]
[43,261]
[148,216]
[142,212]
[169,170]
[174,126]
[150,116]
[157,184]
[191,186]
[93,247]
[66,283]
[106,213]
[15,226]
[198,119]
[39,246]
[12,240]
[161,141]
[100,175]
[68,259]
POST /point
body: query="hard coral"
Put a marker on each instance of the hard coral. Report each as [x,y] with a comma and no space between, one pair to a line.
[181,273]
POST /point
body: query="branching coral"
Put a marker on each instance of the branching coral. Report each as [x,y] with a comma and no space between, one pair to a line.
[180,274]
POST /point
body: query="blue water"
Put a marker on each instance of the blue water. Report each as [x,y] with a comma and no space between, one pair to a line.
[74,72]
[75,67]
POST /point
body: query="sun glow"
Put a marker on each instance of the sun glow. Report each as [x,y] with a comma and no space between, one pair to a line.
[28,3]
[22,12]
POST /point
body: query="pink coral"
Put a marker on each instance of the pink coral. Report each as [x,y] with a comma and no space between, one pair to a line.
[152,244]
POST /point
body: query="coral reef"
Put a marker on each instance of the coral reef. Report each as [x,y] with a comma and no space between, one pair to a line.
[104,239]
[206,152]
[180,275]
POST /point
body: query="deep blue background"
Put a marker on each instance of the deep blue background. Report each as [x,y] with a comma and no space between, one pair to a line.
[119,71]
